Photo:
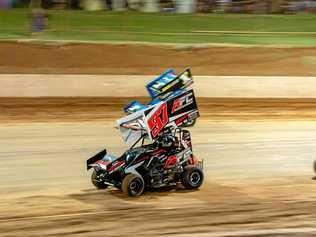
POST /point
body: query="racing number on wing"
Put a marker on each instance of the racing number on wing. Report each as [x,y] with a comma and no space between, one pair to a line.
[158,120]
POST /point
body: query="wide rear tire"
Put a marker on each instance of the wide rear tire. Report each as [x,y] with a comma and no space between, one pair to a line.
[192,177]
[96,183]
[133,185]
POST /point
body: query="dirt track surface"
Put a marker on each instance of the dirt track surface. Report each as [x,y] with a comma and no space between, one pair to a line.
[258,173]
[258,183]
[127,86]
[60,109]
[149,60]
[258,153]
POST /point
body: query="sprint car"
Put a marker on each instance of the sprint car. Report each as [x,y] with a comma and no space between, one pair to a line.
[160,152]
[165,162]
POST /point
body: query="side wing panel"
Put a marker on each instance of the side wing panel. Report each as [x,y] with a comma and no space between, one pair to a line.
[182,108]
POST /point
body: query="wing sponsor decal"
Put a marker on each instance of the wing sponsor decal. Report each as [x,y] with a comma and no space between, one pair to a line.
[182,102]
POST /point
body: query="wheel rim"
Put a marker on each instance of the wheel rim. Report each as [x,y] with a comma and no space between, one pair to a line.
[195,178]
[136,186]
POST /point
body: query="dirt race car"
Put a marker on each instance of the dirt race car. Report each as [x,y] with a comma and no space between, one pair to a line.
[165,162]
[164,87]
[160,152]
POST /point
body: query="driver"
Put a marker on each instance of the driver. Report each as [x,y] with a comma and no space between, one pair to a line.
[168,140]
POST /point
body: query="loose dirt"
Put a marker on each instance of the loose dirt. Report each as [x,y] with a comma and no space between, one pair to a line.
[258,182]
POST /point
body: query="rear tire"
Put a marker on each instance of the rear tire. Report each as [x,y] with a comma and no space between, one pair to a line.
[96,183]
[192,177]
[133,185]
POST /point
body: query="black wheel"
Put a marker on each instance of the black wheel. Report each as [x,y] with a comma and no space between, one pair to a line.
[190,123]
[192,177]
[133,185]
[96,182]
[315,166]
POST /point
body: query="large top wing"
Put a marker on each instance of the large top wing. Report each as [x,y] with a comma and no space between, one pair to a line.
[150,121]
[168,83]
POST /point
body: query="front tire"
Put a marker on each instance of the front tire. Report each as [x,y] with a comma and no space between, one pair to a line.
[133,185]
[192,177]
[96,182]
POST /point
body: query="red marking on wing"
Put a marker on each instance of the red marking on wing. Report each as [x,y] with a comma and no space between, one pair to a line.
[179,120]
[176,105]
[158,120]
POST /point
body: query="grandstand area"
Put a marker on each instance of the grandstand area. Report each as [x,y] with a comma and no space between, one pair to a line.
[168,28]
